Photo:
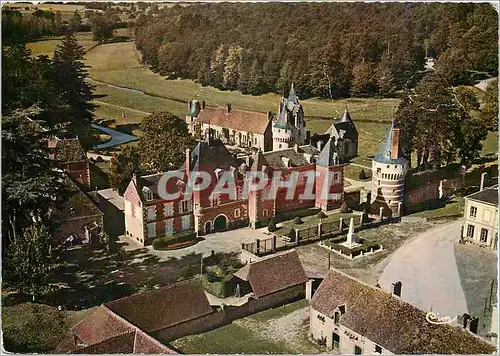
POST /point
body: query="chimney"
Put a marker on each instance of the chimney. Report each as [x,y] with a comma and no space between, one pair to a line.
[188,162]
[395,144]
[269,115]
[473,324]
[247,161]
[396,288]
[228,108]
[320,145]
[286,161]
[481,187]
[296,148]
[308,137]
[203,104]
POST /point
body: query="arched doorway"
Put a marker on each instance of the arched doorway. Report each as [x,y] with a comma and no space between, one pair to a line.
[220,223]
[208,227]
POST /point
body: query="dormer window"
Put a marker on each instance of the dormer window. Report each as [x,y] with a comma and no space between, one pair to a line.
[336,318]
[148,194]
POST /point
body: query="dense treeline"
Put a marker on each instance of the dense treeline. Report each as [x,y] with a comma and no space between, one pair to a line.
[326,49]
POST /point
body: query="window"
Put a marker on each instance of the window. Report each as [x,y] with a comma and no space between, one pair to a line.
[378,349]
[237,213]
[470,230]
[185,206]
[484,235]
[169,207]
[379,170]
[265,213]
[215,199]
[473,211]
[357,350]
[151,230]
[151,212]
[336,341]
[336,318]
[336,177]
[186,222]
[169,227]
[148,194]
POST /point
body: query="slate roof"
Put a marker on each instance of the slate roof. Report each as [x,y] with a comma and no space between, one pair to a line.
[160,309]
[273,274]
[211,154]
[488,195]
[390,322]
[346,124]
[328,155]
[382,156]
[248,121]
[282,121]
[274,159]
[67,150]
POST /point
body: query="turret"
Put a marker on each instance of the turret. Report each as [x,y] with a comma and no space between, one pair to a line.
[388,174]
[329,183]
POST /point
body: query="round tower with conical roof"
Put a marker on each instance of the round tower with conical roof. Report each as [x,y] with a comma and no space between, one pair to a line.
[388,175]
[289,128]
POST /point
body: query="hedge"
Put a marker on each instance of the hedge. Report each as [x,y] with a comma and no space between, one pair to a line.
[162,243]
[221,289]
[366,247]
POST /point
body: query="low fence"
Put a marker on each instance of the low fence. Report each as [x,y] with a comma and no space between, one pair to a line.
[311,234]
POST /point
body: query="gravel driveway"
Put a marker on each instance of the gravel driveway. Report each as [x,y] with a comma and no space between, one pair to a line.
[427,268]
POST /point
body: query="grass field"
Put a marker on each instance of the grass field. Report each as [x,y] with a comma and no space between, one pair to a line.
[47,45]
[67,10]
[119,64]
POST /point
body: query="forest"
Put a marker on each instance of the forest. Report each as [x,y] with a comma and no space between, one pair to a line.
[328,50]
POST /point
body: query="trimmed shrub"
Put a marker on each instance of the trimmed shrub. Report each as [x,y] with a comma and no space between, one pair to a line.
[162,243]
[362,175]
[321,215]
[272,226]
[297,220]
[344,208]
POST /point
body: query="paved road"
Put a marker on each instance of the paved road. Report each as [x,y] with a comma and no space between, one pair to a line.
[224,242]
[427,268]
[483,84]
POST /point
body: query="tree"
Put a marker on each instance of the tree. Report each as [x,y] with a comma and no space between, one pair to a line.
[123,165]
[163,142]
[344,208]
[74,91]
[29,261]
[362,82]
[75,23]
[102,29]
[489,112]
[232,65]
[29,180]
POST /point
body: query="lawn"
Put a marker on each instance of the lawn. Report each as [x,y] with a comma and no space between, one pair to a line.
[32,327]
[47,45]
[276,331]
[452,207]
[119,64]
[490,145]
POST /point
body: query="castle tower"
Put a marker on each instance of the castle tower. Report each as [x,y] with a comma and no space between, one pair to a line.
[290,127]
[388,174]
[329,183]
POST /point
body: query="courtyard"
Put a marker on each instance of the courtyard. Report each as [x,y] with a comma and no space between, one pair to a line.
[282,330]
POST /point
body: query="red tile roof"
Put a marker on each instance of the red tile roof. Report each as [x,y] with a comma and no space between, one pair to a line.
[390,322]
[101,325]
[160,309]
[248,121]
[136,342]
[273,274]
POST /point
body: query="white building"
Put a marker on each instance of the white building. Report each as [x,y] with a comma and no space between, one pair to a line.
[481,218]
[352,317]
